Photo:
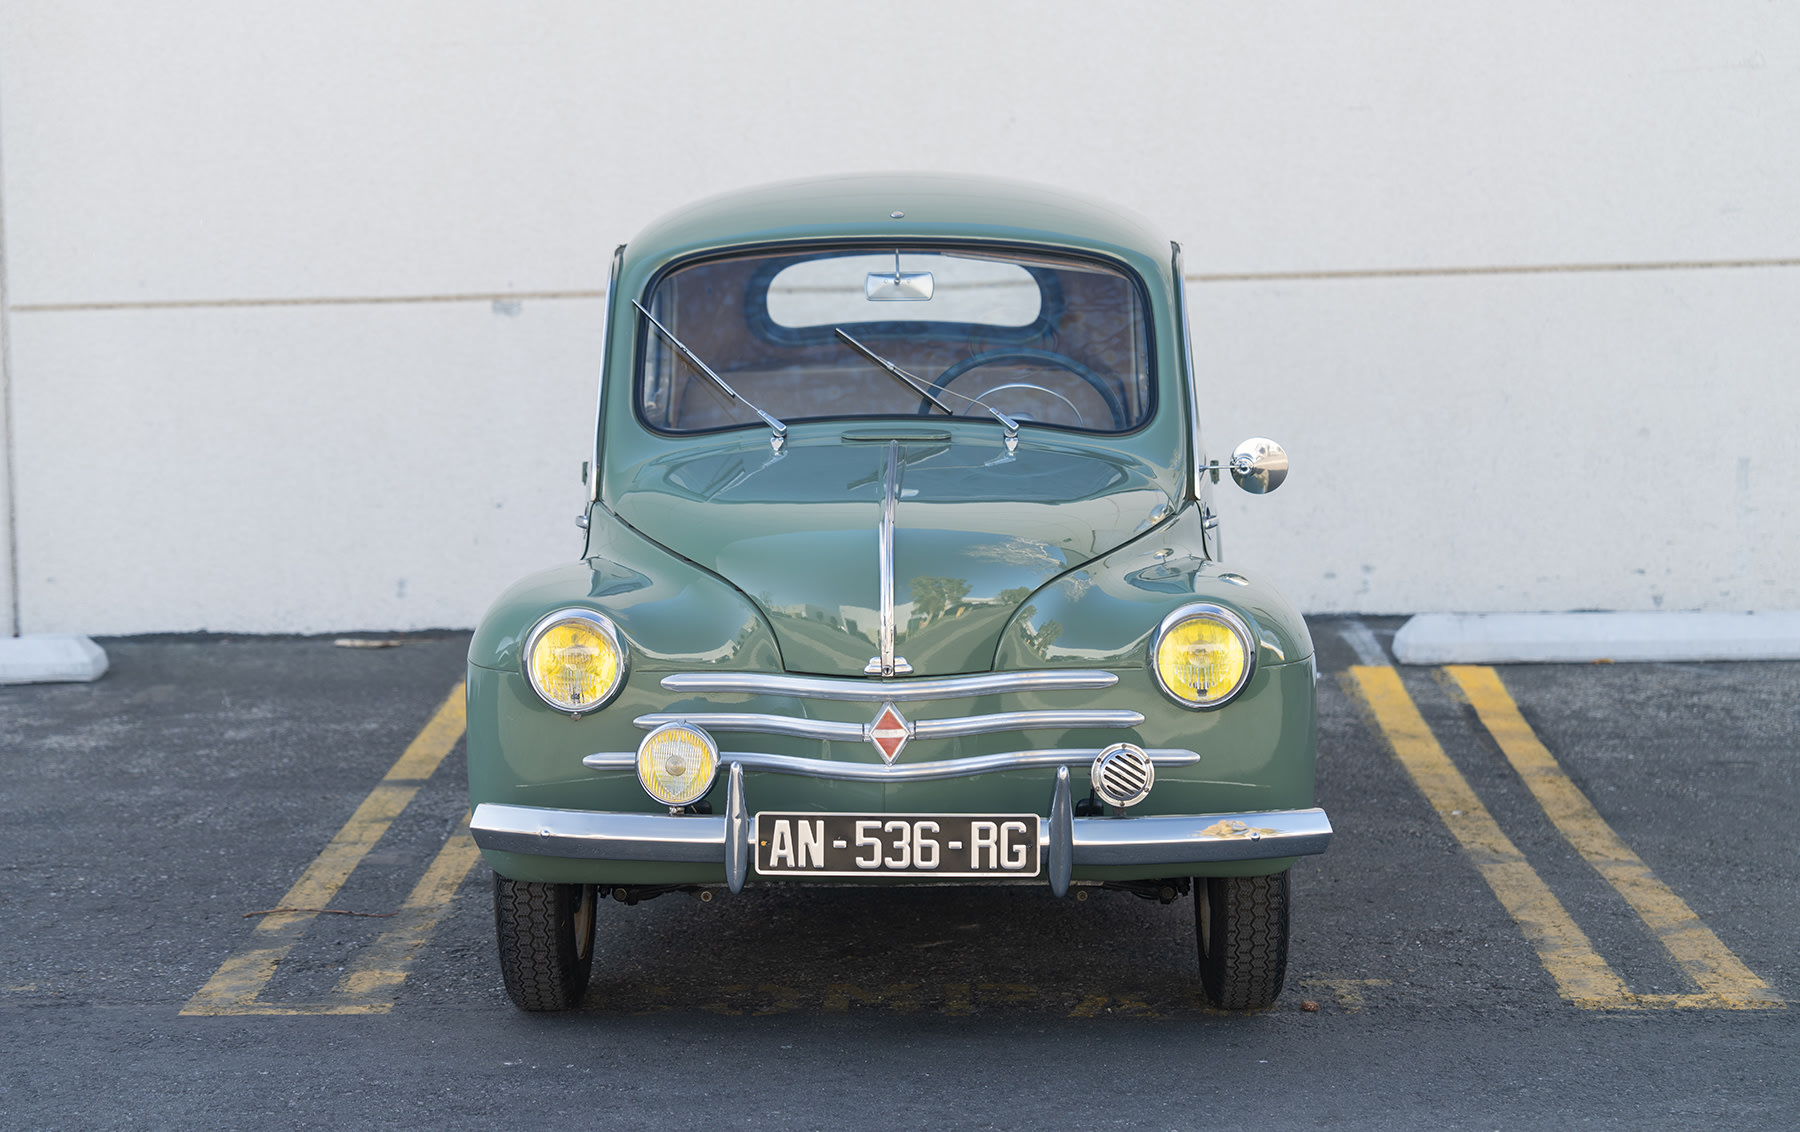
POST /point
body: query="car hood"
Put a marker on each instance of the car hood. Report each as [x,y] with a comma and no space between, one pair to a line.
[975,533]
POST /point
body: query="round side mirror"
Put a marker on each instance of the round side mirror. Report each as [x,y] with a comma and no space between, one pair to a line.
[1259,465]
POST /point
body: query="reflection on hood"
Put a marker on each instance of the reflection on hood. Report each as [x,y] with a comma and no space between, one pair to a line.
[797,533]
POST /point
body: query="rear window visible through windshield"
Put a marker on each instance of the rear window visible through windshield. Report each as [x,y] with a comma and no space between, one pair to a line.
[1050,341]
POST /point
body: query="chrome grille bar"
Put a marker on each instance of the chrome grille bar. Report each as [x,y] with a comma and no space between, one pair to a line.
[762,724]
[902,772]
[753,722]
[1020,720]
[863,691]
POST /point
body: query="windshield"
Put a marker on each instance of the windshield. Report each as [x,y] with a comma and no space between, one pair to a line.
[1049,341]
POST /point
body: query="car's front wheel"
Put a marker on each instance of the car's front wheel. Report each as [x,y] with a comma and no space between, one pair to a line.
[546,935]
[1242,924]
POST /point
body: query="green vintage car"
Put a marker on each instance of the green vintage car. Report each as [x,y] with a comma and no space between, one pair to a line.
[901,568]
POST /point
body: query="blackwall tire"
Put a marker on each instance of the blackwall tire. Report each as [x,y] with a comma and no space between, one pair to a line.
[546,937]
[1242,927]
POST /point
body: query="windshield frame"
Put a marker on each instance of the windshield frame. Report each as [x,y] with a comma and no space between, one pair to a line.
[1026,253]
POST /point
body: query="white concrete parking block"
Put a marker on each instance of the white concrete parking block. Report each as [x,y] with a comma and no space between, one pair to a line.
[50,658]
[1576,638]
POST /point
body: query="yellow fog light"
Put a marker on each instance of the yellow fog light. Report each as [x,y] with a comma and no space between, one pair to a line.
[676,763]
[574,661]
[1203,654]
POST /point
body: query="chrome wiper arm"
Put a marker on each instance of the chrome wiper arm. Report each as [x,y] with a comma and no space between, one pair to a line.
[918,386]
[724,387]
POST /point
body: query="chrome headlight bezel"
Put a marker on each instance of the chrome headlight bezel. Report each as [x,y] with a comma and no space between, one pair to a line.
[1240,628]
[600,624]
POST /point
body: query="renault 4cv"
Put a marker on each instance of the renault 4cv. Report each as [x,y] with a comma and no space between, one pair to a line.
[901,567]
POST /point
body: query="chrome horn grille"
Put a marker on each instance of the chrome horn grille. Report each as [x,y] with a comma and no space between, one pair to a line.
[1122,775]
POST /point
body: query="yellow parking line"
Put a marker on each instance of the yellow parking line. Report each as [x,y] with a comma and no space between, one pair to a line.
[1722,977]
[234,986]
[1582,977]
[384,965]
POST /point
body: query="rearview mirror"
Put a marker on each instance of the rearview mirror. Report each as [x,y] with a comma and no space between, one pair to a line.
[1259,465]
[898,287]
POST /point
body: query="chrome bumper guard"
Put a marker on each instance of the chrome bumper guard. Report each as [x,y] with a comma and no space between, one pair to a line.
[1066,840]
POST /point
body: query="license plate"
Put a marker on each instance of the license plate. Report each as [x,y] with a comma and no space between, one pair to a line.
[926,845]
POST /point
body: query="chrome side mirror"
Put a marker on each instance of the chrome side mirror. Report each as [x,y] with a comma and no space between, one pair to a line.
[1259,465]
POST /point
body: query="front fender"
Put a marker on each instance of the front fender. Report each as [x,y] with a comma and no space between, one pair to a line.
[672,614]
[1104,613]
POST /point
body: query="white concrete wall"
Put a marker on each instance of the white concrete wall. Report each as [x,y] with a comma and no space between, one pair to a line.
[9,591]
[304,298]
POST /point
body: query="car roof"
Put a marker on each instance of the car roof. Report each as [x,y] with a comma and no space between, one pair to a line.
[862,206]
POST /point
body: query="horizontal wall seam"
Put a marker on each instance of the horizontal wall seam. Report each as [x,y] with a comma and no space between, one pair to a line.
[363,300]
[1514,269]
[1192,277]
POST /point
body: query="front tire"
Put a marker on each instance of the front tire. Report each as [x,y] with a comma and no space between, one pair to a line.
[1242,925]
[546,936]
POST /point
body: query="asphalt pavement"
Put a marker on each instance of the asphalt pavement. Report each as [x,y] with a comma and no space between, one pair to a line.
[1559,896]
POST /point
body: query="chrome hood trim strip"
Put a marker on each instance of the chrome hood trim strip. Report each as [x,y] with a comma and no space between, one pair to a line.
[903,772]
[933,688]
[887,664]
[762,724]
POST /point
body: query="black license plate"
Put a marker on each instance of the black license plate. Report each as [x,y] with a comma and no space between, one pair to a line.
[925,845]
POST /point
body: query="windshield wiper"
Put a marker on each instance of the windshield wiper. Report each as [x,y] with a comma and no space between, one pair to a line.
[917,385]
[780,429]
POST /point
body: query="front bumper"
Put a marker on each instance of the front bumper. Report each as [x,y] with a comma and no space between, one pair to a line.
[1066,841]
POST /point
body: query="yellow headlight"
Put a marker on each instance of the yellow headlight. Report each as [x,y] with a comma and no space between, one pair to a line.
[575,661]
[1202,657]
[676,764]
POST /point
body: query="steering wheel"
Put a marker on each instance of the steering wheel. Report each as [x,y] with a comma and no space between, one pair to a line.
[1028,354]
[1045,390]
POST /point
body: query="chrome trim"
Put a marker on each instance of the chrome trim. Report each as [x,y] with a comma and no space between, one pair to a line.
[887,664]
[916,384]
[1196,444]
[703,839]
[1239,625]
[763,724]
[1059,855]
[737,831]
[1021,721]
[778,430]
[902,772]
[1259,465]
[930,688]
[759,724]
[919,387]
[1189,839]
[601,622]
[597,835]
[607,323]
[878,733]
[1122,775]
